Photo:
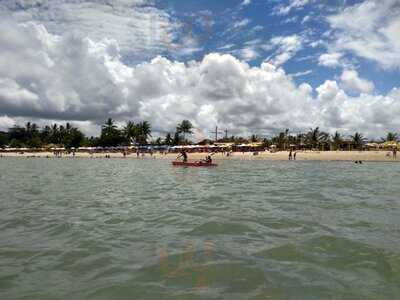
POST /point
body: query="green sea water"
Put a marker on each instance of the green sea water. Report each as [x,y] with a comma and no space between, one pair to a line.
[142,229]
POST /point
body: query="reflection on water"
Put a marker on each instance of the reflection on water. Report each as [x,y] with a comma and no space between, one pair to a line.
[125,229]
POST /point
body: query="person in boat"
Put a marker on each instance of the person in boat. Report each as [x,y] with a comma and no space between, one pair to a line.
[183,155]
[207,160]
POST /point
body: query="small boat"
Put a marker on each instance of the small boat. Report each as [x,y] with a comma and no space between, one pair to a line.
[193,164]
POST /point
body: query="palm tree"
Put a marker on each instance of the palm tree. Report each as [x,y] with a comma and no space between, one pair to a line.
[130,131]
[68,127]
[109,125]
[158,141]
[358,140]
[28,127]
[177,139]
[336,140]
[144,131]
[54,129]
[110,135]
[279,140]
[46,134]
[168,139]
[315,137]
[285,145]
[54,134]
[31,130]
[185,127]
[62,131]
[254,138]
[391,137]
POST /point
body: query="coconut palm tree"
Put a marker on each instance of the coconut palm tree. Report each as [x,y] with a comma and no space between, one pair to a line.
[315,137]
[168,139]
[391,137]
[185,127]
[110,135]
[358,140]
[254,138]
[144,132]
[46,134]
[68,127]
[157,142]
[336,140]
[109,125]
[54,134]
[286,143]
[130,132]
[279,140]
[177,139]
[28,128]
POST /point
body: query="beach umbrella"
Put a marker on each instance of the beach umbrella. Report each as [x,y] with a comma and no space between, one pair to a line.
[390,144]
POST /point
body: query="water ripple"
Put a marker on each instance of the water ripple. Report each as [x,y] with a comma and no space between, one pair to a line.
[140,229]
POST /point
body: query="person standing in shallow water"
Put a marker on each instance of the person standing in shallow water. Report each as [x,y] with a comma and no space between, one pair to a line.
[183,155]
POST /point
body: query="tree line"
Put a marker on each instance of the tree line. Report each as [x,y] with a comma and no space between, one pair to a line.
[69,136]
[132,133]
[312,139]
[317,139]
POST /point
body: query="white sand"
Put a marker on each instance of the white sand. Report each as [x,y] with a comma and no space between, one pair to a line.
[282,155]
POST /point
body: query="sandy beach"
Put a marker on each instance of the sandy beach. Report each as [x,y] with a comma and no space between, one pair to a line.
[278,156]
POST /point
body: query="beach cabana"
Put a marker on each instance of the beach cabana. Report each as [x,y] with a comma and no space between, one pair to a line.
[372,146]
[390,145]
[250,147]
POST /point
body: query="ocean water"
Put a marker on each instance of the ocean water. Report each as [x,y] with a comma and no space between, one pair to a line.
[142,229]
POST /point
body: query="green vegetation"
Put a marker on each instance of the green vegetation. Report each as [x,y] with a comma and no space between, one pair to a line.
[3,139]
[31,136]
[336,140]
[358,140]
[68,136]
[391,137]
[185,127]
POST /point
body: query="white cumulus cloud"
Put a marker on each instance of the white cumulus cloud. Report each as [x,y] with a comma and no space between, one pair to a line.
[283,10]
[286,48]
[330,59]
[141,29]
[51,77]
[352,82]
[371,30]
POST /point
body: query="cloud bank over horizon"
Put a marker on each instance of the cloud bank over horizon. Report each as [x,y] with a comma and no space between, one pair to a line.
[53,77]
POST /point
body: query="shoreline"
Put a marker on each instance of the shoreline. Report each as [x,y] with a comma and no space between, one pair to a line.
[378,156]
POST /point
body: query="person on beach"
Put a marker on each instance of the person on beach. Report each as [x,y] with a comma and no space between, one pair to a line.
[294,155]
[394,153]
[290,154]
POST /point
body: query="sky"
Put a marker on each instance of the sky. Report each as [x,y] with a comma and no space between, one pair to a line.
[249,66]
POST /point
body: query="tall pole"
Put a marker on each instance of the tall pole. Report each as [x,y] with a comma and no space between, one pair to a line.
[216,132]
